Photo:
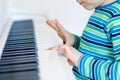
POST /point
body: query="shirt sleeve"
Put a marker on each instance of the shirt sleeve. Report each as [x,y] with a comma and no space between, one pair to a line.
[99,69]
[77,42]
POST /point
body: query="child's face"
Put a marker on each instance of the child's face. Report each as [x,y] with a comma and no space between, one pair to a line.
[90,4]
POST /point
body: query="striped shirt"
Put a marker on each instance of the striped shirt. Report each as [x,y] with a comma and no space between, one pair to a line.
[100,44]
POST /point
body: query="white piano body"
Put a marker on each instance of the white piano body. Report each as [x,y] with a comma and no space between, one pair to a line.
[52,65]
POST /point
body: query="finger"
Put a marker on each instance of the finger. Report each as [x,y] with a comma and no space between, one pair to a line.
[59,26]
[52,24]
[67,49]
[57,47]
[63,49]
[53,48]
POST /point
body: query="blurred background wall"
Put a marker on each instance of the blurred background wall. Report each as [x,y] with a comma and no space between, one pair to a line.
[4,11]
[71,15]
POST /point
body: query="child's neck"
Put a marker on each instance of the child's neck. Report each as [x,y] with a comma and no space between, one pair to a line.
[107,2]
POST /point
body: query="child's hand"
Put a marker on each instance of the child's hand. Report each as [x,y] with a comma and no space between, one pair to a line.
[71,53]
[66,36]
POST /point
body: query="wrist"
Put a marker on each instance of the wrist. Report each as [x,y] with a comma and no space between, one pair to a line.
[75,57]
[71,41]
[77,61]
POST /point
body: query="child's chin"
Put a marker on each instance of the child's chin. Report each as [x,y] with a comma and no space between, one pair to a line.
[89,8]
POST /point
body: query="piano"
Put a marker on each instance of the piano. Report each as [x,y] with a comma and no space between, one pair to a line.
[39,64]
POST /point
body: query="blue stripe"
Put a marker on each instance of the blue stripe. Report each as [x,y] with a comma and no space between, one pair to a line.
[108,70]
[92,38]
[116,34]
[95,24]
[96,36]
[116,29]
[115,69]
[118,15]
[108,46]
[99,68]
[100,20]
[97,55]
[93,71]
[96,70]
[114,9]
[107,11]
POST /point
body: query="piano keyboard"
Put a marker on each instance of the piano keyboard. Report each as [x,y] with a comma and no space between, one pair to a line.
[19,58]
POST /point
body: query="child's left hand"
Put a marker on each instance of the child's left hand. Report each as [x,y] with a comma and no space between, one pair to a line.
[70,53]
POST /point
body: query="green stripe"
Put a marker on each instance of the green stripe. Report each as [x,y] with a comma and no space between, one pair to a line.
[117,57]
[103,13]
[88,68]
[116,42]
[114,22]
[104,17]
[104,68]
[118,70]
[95,32]
[117,5]
[116,38]
[95,28]
[96,48]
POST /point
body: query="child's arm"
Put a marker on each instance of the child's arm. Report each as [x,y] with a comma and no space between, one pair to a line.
[104,69]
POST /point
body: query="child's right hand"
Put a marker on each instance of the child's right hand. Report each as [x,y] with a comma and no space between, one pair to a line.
[66,36]
[70,53]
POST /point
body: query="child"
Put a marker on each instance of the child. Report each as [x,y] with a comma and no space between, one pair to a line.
[96,54]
